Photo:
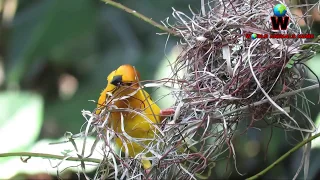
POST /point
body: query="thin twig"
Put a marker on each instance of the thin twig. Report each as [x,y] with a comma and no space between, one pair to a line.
[50,156]
[302,143]
[141,16]
[291,93]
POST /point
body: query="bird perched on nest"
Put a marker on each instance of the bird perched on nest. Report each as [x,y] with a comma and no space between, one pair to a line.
[123,91]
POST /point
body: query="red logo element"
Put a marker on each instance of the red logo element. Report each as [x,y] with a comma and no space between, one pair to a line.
[281,22]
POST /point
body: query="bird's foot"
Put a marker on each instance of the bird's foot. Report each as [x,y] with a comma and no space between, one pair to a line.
[167,112]
[147,171]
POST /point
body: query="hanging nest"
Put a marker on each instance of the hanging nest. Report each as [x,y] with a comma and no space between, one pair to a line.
[227,79]
[230,78]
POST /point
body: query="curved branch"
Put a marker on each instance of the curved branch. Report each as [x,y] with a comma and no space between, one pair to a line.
[50,156]
[302,143]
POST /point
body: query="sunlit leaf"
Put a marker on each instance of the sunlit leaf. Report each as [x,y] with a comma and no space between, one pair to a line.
[20,120]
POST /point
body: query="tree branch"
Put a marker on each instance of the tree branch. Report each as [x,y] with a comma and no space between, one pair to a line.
[50,156]
[141,16]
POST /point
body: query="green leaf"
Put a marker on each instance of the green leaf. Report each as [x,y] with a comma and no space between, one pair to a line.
[20,120]
[66,152]
[291,61]
[312,45]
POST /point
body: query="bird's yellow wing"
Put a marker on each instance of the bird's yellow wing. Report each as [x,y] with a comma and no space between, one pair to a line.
[125,82]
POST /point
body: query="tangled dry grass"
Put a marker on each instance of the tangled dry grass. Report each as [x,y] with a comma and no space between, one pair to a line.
[227,79]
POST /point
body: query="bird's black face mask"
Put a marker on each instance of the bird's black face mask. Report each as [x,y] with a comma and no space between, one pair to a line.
[116,80]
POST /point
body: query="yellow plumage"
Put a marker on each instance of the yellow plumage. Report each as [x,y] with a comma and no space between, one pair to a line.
[124,83]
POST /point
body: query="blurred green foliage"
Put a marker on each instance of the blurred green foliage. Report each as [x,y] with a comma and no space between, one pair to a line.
[84,38]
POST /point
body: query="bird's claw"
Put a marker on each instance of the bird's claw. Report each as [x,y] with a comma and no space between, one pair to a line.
[167,112]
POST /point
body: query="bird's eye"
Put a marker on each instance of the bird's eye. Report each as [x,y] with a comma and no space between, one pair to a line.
[116,80]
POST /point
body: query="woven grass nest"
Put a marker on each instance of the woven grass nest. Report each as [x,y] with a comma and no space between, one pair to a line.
[227,79]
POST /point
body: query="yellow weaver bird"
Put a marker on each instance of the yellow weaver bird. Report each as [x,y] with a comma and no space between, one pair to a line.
[123,91]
